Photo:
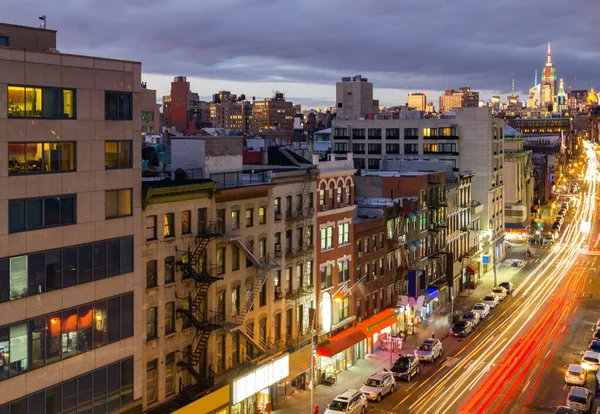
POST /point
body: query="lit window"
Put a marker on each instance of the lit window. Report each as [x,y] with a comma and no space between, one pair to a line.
[118,203]
[117,154]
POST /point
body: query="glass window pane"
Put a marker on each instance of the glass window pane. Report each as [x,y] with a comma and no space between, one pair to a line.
[16,101]
[52,211]
[114,257]
[126,381]
[67,156]
[126,255]
[99,260]
[84,328]
[99,393]
[53,270]
[37,402]
[34,155]
[69,271]
[125,153]
[19,407]
[18,349]
[52,103]
[67,210]
[111,204]
[18,277]
[4,352]
[69,333]
[99,323]
[124,203]
[68,109]
[51,157]
[169,269]
[37,334]
[36,270]
[53,338]
[34,214]
[110,154]
[126,316]
[114,385]
[53,400]
[84,393]
[5,409]
[84,254]
[114,319]
[4,280]
[16,158]
[16,215]
[69,397]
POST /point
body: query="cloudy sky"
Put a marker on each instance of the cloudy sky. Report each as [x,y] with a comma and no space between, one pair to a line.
[302,47]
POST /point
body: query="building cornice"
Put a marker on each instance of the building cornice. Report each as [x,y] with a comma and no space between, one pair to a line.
[178,193]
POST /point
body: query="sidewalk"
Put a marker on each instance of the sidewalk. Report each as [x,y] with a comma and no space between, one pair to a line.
[353,377]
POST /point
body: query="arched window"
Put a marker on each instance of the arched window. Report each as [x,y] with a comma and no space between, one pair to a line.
[322,196]
[339,192]
[331,191]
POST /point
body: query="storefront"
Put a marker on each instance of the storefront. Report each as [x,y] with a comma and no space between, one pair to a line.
[470,275]
[299,376]
[338,353]
[216,402]
[378,328]
[254,392]
[432,301]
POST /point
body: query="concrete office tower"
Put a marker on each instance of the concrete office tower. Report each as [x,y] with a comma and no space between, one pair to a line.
[70,199]
[417,101]
[450,99]
[354,98]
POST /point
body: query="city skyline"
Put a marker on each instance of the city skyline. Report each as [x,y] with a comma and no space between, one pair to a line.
[261,57]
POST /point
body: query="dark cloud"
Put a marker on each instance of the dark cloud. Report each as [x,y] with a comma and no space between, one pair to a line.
[409,45]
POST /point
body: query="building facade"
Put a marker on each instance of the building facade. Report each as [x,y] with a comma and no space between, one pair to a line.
[417,101]
[70,251]
[273,114]
[354,98]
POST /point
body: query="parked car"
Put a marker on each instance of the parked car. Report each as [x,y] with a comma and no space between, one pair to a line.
[556,227]
[594,346]
[491,300]
[580,398]
[379,384]
[500,292]
[406,367]
[596,334]
[508,286]
[472,317]
[482,309]
[590,361]
[561,409]
[565,205]
[350,401]
[559,220]
[548,239]
[430,350]
[461,328]
[575,375]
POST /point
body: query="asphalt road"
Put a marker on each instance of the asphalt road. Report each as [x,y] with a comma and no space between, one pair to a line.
[514,361]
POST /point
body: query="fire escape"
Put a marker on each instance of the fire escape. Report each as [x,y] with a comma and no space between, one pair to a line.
[193,265]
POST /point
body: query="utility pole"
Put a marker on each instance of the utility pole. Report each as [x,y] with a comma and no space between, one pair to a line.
[494,264]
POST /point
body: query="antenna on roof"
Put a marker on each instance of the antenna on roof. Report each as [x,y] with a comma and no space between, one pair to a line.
[43,25]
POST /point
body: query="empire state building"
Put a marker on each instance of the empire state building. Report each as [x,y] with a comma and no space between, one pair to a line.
[548,85]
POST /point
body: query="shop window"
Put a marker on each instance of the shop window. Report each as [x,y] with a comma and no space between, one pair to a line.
[118,105]
[41,157]
[117,154]
[118,203]
[41,102]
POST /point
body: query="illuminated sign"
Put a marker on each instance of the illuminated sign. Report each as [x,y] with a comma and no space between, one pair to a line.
[248,385]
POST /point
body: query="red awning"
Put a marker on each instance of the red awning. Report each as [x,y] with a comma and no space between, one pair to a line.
[378,322]
[471,270]
[340,342]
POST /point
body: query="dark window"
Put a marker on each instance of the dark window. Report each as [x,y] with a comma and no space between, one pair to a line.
[127,255]
[169,318]
[19,406]
[69,262]
[127,316]
[33,214]
[151,331]
[117,154]
[114,385]
[152,381]
[151,279]
[44,102]
[114,319]
[118,203]
[41,157]
[118,105]
[99,391]
[84,393]
[113,248]
[126,381]
[150,228]
[53,270]
[99,260]
[84,254]
[37,336]
[37,402]
[53,400]
[4,41]
[169,269]
[69,396]
[36,273]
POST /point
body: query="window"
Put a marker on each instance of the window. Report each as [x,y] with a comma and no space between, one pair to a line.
[288,207]
[235,220]
[35,213]
[151,279]
[381,240]
[249,217]
[326,238]
[277,327]
[202,220]
[373,163]
[262,248]
[411,148]
[358,148]
[392,148]
[311,200]
[186,222]
[262,215]
[170,373]
[374,148]
[343,271]
[392,133]
[169,269]
[322,198]
[263,296]
[330,194]
[235,300]
[117,154]
[118,203]
[428,148]
[289,282]
[41,157]
[339,195]
[118,105]
[343,234]
[150,228]
[250,244]
[220,260]
[151,331]
[358,133]
[151,377]
[430,132]
[348,194]
[4,41]
[235,257]
[326,277]
[411,133]
[277,208]
[169,225]
[309,236]
[169,318]
[44,102]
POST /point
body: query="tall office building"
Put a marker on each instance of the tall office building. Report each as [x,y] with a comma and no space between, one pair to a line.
[418,101]
[548,85]
[470,98]
[354,98]
[450,99]
[273,114]
[70,199]
[177,105]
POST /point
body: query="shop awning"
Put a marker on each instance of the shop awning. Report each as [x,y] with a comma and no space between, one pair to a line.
[410,246]
[432,293]
[410,214]
[418,242]
[340,342]
[471,270]
[377,322]
[417,212]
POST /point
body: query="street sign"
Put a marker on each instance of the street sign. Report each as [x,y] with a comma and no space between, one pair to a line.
[485,258]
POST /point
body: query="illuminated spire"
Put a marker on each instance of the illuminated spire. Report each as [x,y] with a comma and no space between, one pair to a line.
[513,85]
[549,62]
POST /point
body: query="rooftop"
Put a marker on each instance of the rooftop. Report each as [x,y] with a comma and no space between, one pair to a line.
[371,173]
